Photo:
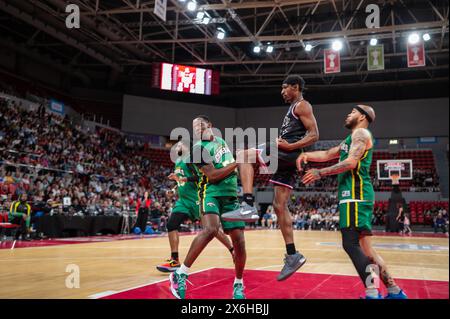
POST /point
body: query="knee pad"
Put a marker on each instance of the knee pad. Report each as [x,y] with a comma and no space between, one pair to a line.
[175,221]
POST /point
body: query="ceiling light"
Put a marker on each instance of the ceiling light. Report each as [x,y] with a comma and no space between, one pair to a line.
[413,38]
[337,45]
[200,15]
[192,6]
[220,34]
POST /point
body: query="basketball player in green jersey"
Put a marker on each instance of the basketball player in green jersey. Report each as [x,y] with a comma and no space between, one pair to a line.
[356,198]
[217,193]
[186,207]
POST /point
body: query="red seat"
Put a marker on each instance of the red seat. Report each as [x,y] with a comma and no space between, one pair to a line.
[4,223]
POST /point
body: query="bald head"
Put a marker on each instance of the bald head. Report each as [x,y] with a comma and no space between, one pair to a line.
[369,110]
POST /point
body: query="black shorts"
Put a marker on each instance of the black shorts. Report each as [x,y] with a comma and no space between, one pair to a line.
[285,173]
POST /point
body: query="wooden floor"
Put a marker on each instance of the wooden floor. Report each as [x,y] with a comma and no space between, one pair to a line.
[40,272]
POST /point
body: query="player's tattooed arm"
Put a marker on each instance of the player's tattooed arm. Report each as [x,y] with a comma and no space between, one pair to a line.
[360,141]
[318,156]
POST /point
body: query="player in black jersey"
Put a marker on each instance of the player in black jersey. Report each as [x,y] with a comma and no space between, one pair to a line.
[299,130]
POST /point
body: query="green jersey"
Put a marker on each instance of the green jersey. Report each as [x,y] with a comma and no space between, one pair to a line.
[218,154]
[186,190]
[355,185]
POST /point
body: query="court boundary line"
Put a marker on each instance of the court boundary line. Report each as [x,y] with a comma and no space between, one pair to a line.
[323,273]
[113,292]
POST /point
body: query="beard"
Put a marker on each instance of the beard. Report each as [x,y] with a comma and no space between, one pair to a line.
[350,125]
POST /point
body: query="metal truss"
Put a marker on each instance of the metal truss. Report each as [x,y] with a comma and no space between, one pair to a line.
[127,36]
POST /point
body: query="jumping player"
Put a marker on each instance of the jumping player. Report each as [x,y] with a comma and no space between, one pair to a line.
[356,198]
[186,207]
[299,130]
[217,193]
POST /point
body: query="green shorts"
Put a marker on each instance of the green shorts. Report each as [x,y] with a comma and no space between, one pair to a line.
[356,215]
[190,208]
[222,205]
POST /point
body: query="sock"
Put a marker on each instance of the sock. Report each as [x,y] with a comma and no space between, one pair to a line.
[290,249]
[372,292]
[239,281]
[394,290]
[183,269]
[249,199]
[174,255]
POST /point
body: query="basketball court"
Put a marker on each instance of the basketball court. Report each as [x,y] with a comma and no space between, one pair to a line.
[100,101]
[123,267]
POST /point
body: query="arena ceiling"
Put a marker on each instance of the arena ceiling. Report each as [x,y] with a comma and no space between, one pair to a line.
[124,38]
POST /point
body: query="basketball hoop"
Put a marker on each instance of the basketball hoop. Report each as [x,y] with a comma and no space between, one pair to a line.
[395,178]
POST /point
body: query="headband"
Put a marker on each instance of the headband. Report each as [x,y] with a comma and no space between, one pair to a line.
[361,110]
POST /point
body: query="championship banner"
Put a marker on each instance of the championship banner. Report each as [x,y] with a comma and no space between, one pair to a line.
[332,61]
[416,55]
[161,9]
[375,57]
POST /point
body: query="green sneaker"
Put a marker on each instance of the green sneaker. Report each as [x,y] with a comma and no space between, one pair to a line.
[238,291]
[178,285]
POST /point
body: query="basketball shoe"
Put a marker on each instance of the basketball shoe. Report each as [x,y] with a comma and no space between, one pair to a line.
[170,266]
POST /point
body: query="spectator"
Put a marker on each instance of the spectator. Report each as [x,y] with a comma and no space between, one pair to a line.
[440,223]
[155,215]
[20,214]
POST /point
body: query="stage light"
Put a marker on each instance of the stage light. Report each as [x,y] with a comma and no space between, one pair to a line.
[413,38]
[373,42]
[308,47]
[337,45]
[257,49]
[426,37]
[192,6]
[200,15]
[220,34]
[269,48]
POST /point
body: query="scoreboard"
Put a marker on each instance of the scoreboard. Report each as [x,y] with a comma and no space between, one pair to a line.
[186,79]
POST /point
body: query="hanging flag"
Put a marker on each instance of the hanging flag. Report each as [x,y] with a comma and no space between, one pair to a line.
[332,61]
[416,55]
[161,9]
[375,57]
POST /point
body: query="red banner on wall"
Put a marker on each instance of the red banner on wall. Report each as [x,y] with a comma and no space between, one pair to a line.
[416,55]
[332,61]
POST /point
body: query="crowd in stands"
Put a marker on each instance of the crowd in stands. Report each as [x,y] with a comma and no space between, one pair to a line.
[50,158]
[439,216]
[321,212]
